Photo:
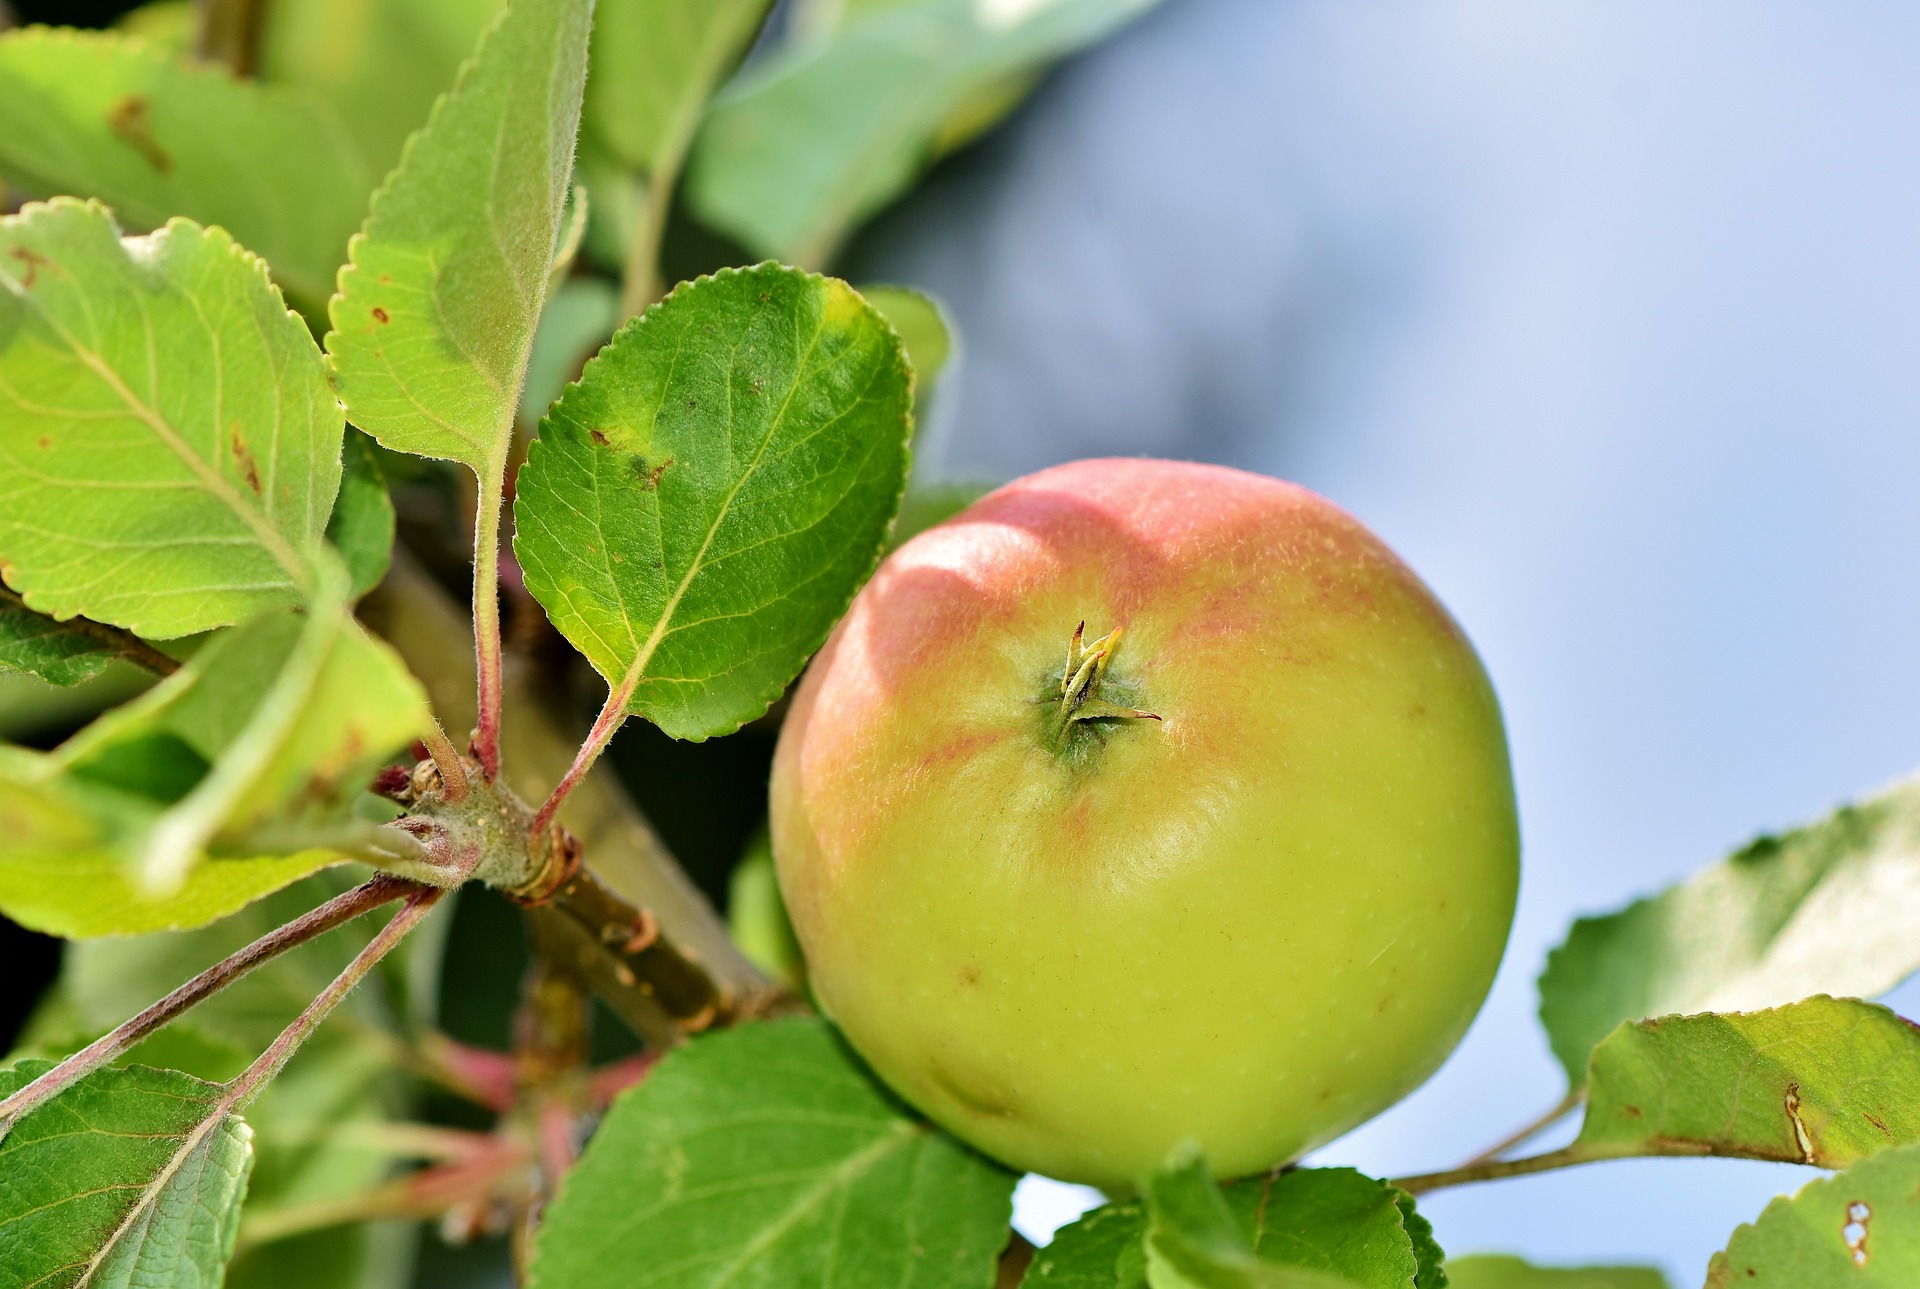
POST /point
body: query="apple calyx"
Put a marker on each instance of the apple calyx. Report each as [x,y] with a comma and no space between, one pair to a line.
[1080,698]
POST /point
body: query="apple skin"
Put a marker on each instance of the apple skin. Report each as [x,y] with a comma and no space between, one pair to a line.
[1254,923]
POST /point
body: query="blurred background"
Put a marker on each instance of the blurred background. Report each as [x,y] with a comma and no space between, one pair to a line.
[1603,314]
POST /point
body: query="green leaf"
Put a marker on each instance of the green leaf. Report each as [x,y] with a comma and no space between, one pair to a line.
[362,525]
[809,141]
[255,750]
[700,508]
[436,311]
[766,1155]
[655,62]
[1829,908]
[169,450]
[379,64]
[1429,1259]
[130,1177]
[1825,1082]
[924,329]
[60,653]
[90,892]
[1329,1221]
[1193,1241]
[1499,1271]
[153,136]
[579,319]
[1104,1249]
[1857,1230]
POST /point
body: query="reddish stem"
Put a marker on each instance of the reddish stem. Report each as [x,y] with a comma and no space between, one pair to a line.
[486,619]
[316,922]
[604,725]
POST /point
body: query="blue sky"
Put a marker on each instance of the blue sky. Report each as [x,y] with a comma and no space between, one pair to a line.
[1605,315]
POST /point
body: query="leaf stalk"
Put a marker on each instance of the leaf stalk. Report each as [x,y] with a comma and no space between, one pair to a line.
[486,617]
[308,926]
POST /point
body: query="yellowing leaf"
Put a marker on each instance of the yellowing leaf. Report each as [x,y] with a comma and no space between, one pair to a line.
[169,450]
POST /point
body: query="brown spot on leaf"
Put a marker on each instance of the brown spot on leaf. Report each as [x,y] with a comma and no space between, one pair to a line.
[131,120]
[599,438]
[649,478]
[243,457]
[33,261]
[1633,1111]
[380,315]
[45,442]
[970,975]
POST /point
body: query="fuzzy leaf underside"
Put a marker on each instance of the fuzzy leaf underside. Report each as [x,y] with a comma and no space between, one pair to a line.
[765,1156]
[1327,1221]
[215,787]
[1826,1082]
[1859,1229]
[126,1179]
[1828,908]
[813,139]
[699,509]
[654,64]
[436,312]
[97,114]
[60,653]
[1499,1271]
[169,450]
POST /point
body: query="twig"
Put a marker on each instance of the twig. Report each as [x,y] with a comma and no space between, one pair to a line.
[1495,1169]
[335,912]
[1014,1261]
[420,902]
[423,622]
[229,32]
[1534,1128]
[640,956]
[474,1178]
[123,644]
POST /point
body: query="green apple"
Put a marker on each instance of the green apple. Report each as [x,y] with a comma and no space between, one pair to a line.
[1234,863]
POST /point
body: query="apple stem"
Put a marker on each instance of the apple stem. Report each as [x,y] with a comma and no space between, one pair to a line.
[1080,684]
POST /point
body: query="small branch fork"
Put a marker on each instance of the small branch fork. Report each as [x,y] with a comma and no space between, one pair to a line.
[1494,1170]
[1489,1166]
[335,912]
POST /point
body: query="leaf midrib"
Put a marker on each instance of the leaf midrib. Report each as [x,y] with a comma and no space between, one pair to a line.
[853,1167]
[661,625]
[191,1142]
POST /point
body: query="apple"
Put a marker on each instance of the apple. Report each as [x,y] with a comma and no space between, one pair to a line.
[1144,802]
